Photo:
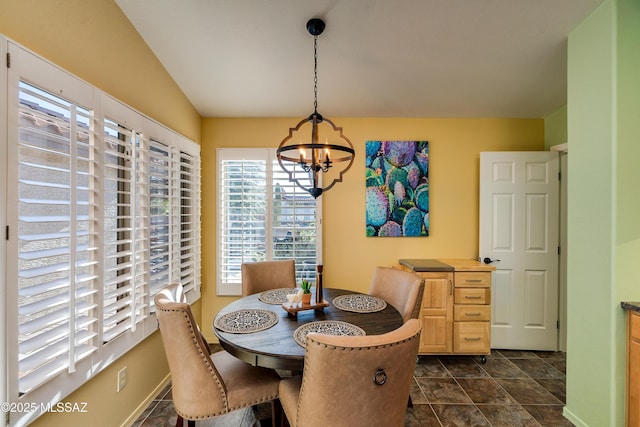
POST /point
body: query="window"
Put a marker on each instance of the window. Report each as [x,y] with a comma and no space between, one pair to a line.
[103,211]
[262,216]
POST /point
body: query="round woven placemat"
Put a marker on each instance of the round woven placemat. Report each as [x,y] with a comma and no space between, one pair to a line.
[276,296]
[327,327]
[246,321]
[359,303]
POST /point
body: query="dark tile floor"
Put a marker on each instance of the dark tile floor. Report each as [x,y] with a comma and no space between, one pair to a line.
[514,388]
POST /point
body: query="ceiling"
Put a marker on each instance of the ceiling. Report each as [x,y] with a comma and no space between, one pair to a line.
[376,58]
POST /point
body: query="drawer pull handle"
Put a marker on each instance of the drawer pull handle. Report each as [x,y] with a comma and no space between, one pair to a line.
[472,339]
[473,280]
[472,296]
[472,314]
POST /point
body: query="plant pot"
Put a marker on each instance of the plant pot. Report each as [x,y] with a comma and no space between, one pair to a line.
[306,298]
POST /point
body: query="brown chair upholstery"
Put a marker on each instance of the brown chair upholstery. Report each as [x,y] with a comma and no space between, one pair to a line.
[402,289]
[265,275]
[203,385]
[338,387]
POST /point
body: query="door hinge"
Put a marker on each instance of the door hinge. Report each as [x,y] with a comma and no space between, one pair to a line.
[558,250]
[6,232]
[8,60]
[559,176]
[557,324]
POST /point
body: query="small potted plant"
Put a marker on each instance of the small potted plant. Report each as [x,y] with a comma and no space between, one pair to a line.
[306,289]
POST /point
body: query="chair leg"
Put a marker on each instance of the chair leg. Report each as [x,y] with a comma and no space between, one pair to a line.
[180,422]
[277,413]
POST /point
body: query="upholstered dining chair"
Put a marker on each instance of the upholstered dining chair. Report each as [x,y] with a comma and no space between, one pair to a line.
[206,385]
[402,289]
[353,381]
[264,275]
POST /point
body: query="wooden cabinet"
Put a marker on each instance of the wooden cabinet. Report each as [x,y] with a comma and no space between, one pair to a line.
[437,313]
[472,308]
[456,306]
[633,368]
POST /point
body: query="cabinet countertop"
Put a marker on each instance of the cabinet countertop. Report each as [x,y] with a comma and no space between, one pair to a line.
[632,306]
[419,265]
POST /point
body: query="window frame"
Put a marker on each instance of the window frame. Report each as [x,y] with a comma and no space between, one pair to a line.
[184,182]
[268,155]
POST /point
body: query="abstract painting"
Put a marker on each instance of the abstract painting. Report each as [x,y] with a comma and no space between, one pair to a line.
[397,185]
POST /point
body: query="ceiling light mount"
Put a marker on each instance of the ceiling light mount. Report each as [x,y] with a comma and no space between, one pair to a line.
[306,162]
[315,26]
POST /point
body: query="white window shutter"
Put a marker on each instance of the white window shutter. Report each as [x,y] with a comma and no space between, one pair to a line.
[261,217]
[160,249]
[57,266]
[189,222]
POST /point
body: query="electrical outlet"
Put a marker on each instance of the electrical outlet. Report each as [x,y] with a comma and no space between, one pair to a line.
[122,379]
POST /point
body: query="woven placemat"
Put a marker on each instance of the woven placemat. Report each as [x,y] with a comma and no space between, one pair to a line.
[246,321]
[276,296]
[359,303]
[326,327]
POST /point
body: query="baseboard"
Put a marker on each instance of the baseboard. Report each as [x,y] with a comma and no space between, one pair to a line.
[146,402]
[573,418]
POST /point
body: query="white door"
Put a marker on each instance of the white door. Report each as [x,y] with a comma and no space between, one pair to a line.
[519,226]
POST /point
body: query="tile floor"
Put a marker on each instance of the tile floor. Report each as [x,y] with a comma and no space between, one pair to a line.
[514,388]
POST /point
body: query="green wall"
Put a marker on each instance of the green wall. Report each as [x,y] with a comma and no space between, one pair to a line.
[603,208]
[555,128]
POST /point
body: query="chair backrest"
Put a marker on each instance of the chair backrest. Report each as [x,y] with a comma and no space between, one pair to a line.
[401,289]
[197,388]
[265,275]
[364,380]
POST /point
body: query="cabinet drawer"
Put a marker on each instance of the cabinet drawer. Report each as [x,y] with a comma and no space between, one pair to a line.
[473,313]
[634,325]
[471,337]
[472,279]
[477,296]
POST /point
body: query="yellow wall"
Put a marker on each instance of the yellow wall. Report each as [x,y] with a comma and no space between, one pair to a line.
[94,40]
[348,256]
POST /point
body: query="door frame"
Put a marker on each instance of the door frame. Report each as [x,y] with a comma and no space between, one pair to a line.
[563,150]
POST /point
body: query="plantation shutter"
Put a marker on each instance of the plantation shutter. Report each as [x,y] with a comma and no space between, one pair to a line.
[243,210]
[125,275]
[57,267]
[189,206]
[160,229]
[294,224]
[261,217]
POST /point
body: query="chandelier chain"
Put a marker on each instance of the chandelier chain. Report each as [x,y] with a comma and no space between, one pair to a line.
[315,74]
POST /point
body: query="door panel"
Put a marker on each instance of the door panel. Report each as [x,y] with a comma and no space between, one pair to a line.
[519,220]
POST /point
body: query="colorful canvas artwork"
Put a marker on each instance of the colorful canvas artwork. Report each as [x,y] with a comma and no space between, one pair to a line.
[397,199]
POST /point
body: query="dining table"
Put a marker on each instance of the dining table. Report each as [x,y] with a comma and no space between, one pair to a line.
[260,331]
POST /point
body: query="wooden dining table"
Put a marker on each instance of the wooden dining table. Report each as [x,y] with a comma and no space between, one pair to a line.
[276,347]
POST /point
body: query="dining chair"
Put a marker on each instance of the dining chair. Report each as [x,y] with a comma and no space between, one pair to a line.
[206,385]
[264,275]
[402,289]
[353,380]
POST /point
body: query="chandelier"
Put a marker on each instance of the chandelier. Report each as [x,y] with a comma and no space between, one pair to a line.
[310,162]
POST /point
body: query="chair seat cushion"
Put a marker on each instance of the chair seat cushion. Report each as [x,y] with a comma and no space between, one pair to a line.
[246,385]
